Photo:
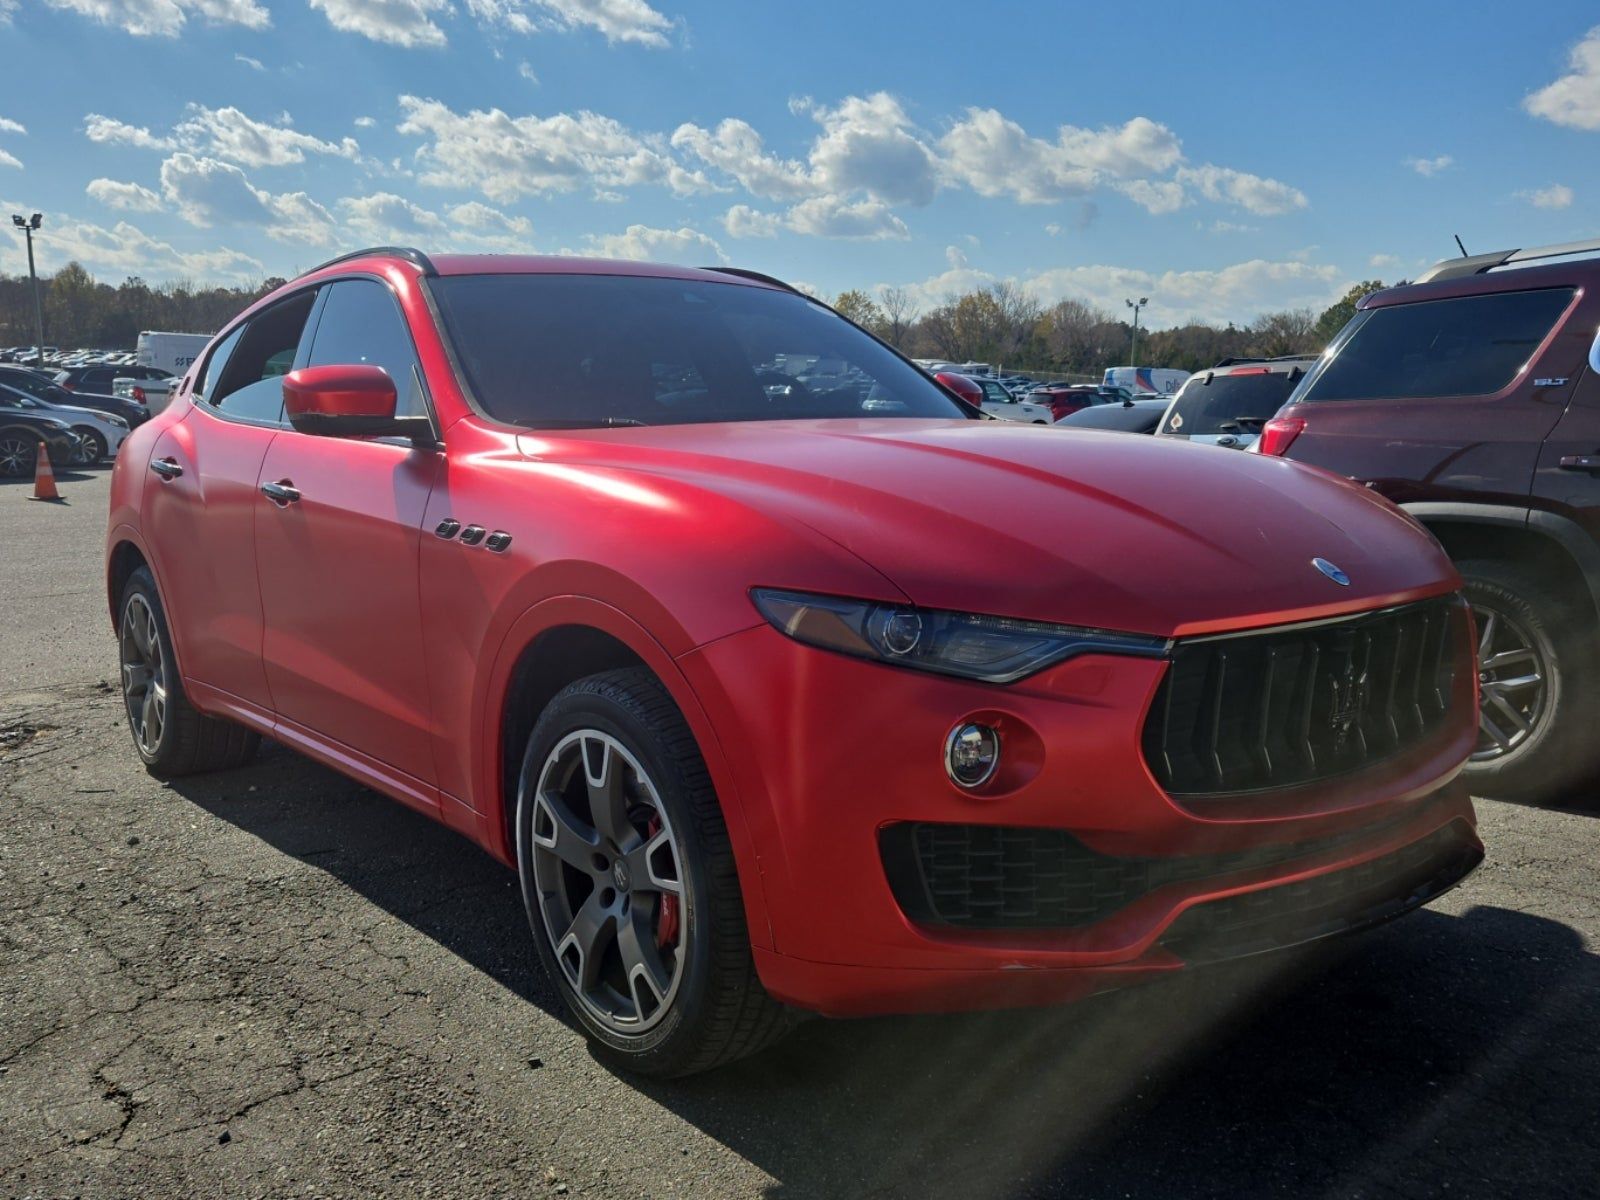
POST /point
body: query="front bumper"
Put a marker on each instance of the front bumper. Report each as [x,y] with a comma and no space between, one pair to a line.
[829,754]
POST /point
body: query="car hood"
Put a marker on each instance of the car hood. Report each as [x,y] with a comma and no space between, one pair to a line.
[1084,527]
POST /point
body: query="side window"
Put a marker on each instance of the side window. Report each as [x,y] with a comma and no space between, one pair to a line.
[361,323]
[249,384]
[206,378]
[1468,346]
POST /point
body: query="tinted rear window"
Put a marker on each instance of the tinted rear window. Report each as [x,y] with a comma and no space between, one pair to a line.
[1228,404]
[1468,346]
[1125,418]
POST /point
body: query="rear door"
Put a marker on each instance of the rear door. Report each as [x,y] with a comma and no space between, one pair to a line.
[1445,399]
[1568,479]
[199,512]
[338,562]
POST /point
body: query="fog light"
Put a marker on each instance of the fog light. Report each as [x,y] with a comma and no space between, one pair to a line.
[971,754]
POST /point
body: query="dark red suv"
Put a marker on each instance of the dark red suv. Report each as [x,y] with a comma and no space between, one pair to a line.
[1472,399]
[784,688]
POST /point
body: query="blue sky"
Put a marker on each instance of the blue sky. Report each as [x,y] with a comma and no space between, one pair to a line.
[1221,159]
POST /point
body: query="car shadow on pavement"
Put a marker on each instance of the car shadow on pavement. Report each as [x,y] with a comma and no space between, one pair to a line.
[1440,1052]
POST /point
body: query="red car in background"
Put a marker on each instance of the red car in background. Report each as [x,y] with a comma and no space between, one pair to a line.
[1064,399]
[752,672]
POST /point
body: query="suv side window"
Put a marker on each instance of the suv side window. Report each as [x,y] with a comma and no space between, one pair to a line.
[211,371]
[1467,346]
[249,384]
[361,323]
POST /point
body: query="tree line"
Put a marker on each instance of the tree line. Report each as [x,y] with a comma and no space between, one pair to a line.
[1001,323]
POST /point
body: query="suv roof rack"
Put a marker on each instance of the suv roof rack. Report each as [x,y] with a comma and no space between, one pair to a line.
[416,257]
[1478,264]
[742,273]
[1234,362]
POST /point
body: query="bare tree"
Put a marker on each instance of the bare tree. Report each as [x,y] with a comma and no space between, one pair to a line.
[899,314]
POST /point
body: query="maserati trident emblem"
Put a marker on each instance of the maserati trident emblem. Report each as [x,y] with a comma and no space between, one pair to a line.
[1331,571]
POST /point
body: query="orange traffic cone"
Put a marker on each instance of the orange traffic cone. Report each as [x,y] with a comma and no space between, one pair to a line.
[44,477]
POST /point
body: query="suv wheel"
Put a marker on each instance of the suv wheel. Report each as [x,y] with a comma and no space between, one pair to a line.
[1536,680]
[91,447]
[17,453]
[629,882]
[171,736]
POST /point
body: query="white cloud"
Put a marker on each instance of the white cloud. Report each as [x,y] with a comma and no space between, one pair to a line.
[617,20]
[1263,197]
[1430,166]
[230,134]
[8,159]
[125,249]
[166,18]
[736,149]
[365,122]
[7,125]
[255,64]
[868,144]
[995,156]
[131,197]
[1053,229]
[207,192]
[1557,195]
[508,157]
[1573,100]
[405,23]
[108,130]
[742,221]
[641,242]
[1155,196]
[1382,262]
[527,72]
[820,216]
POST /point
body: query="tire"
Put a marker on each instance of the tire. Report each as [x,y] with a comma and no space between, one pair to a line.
[93,445]
[171,737]
[19,453]
[621,729]
[1527,628]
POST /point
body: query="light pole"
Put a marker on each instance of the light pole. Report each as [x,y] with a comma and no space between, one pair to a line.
[1133,352]
[28,225]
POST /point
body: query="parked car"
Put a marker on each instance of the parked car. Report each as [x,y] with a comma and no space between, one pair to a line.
[774,704]
[1228,405]
[1126,416]
[21,432]
[990,396]
[42,388]
[1472,399]
[99,434]
[151,394]
[100,378]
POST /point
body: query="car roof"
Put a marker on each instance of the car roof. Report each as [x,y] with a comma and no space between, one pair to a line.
[540,264]
[1231,366]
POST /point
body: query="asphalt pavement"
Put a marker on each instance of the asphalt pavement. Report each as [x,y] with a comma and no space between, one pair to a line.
[272,981]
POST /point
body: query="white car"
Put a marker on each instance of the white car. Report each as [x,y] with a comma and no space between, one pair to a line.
[988,395]
[100,434]
[152,393]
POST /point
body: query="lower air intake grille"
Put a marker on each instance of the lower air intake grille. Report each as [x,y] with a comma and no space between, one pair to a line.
[1000,877]
[1280,708]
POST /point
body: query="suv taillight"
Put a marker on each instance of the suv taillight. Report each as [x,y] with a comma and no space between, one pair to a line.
[138,394]
[1278,434]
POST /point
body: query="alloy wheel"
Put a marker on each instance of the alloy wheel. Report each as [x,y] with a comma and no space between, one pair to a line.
[144,674]
[609,877]
[91,446]
[1512,683]
[16,455]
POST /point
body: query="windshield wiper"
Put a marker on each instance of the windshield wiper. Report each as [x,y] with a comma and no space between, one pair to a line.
[580,423]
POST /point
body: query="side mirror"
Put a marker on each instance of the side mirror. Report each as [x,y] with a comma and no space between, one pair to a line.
[357,400]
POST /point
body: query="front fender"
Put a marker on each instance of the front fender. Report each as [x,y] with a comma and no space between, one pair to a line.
[491,695]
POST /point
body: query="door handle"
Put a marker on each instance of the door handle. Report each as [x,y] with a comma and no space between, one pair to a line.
[281,494]
[1581,462]
[165,468]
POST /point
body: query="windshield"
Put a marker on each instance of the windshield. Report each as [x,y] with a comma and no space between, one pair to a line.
[1237,403]
[560,351]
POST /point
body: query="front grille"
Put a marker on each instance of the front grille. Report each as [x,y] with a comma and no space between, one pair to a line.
[1291,913]
[1280,708]
[1001,877]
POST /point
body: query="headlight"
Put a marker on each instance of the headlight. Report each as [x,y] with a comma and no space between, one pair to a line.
[993,649]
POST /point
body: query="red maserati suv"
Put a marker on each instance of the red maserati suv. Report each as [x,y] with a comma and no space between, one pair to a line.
[712,616]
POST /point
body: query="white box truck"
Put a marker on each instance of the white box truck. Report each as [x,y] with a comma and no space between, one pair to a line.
[170,352]
[1165,380]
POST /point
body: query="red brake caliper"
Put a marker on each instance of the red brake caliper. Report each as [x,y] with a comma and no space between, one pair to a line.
[667,920]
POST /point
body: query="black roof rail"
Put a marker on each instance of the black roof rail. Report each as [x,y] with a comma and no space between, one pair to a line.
[416,257]
[1478,264]
[758,277]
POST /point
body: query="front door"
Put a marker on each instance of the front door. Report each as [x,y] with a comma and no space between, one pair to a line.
[337,546]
